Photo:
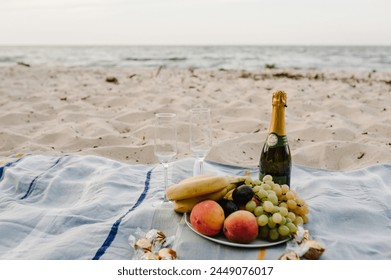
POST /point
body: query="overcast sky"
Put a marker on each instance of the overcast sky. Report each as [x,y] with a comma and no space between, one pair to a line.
[190,22]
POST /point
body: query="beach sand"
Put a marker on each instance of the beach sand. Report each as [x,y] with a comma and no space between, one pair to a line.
[334,120]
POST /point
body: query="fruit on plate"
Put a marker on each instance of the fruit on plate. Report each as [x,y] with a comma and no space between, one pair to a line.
[274,211]
[278,209]
[207,217]
[196,186]
[241,226]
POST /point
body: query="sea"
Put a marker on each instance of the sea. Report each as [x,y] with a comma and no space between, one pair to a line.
[362,58]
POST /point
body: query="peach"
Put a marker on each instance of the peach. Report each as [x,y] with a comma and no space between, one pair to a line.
[241,227]
[207,217]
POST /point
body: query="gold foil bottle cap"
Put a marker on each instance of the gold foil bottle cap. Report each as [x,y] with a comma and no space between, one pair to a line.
[279,99]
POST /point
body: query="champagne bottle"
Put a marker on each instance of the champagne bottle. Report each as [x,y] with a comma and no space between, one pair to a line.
[276,157]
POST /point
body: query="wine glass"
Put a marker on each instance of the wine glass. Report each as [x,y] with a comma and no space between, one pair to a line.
[200,136]
[165,142]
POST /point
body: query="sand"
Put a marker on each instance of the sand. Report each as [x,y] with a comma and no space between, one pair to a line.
[334,120]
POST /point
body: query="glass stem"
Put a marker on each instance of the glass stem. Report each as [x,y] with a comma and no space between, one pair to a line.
[165,165]
[201,166]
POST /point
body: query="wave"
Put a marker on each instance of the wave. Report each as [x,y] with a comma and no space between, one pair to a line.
[227,57]
[5,59]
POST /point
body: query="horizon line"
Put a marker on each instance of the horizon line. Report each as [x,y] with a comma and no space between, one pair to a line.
[192,45]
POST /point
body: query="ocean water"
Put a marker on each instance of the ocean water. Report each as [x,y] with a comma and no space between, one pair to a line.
[365,58]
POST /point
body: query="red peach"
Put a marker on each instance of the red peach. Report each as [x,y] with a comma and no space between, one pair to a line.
[241,226]
[207,217]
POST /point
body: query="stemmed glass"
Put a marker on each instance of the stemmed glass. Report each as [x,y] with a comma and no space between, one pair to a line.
[200,136]
[165,142]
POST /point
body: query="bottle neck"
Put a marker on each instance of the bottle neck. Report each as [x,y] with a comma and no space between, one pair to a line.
[277,124]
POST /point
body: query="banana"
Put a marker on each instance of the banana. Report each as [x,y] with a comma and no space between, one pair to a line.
[185,205]
[228,195]
[195,178]
[231,186]
[197,186]
[236,179]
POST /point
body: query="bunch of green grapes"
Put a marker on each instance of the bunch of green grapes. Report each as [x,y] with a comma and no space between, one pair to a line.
[279,210]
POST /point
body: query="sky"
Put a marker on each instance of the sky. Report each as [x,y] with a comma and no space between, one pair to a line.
[195,22]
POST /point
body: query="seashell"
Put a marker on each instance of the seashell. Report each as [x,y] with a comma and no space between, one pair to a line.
[306,235]
[143,244]
[291,255]
[302,235]
[315,250]
[155,236]
[149,256]
[167,254]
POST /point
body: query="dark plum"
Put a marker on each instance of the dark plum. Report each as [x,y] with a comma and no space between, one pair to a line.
[242,194]
[228,206]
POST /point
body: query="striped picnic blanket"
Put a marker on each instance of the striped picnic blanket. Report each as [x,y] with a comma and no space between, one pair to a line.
[86,207]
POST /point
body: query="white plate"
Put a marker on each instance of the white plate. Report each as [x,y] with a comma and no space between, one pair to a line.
[222,240]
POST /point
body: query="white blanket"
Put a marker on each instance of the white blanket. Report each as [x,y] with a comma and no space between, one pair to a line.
[86,207]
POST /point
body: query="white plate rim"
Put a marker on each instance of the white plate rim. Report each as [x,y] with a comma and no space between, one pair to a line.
[255,244]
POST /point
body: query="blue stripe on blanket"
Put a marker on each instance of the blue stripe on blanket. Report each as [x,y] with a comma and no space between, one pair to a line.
[9,164]
[114,229]
[32,184]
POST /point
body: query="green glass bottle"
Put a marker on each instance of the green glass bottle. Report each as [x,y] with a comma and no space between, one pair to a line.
[276,157]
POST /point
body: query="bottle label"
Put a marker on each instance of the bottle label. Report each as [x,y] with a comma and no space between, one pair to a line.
[274,140]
